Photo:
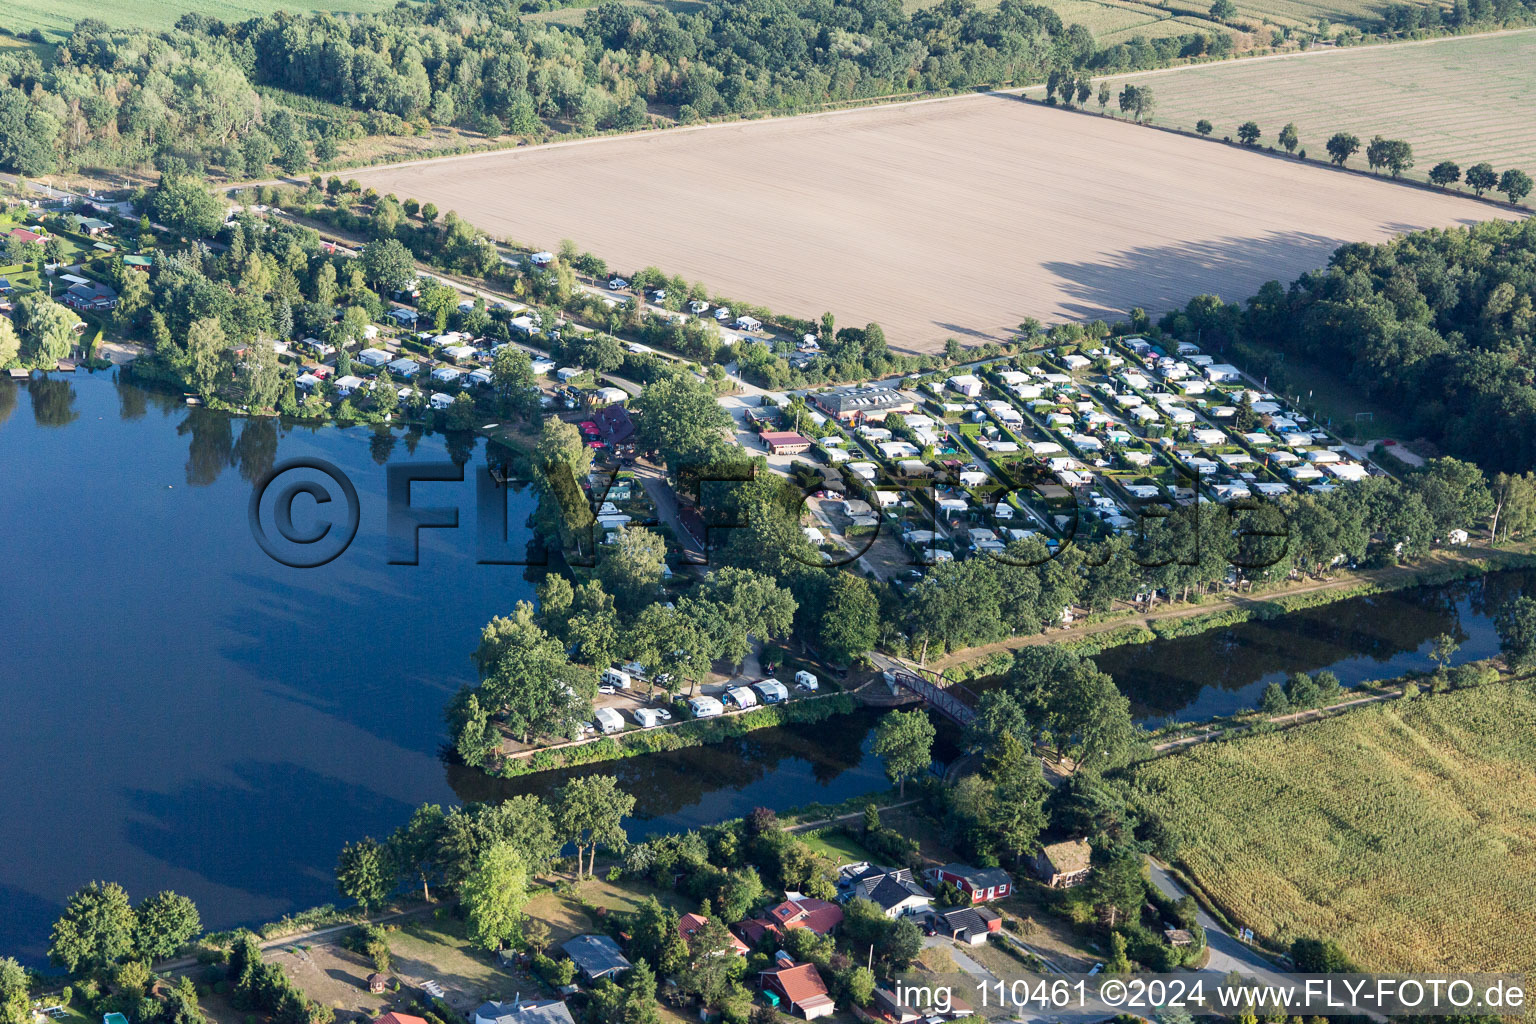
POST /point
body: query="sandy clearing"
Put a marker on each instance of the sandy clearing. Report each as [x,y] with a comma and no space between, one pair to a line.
[955,218]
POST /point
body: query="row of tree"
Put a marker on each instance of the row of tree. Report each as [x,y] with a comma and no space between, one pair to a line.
[488,855]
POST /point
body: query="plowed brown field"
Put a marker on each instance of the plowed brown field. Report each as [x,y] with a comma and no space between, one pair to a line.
[944,218]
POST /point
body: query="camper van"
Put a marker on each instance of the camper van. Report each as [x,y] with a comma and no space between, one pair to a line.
[650,718]
[609,720]
[806,681]
[705,707]
[617,678]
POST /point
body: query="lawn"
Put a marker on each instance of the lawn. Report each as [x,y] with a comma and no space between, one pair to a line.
[436,948]
[564,918]
[1466,99]
[1325,396]
[628,897]
[1404,830]
[837,845]
[21,16]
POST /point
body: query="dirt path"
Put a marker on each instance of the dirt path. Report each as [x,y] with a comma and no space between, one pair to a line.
[1284,721]
[854,816]
[312,936]
[1389,578]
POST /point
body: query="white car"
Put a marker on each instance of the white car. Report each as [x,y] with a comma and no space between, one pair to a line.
[617,283]
[659,295]
[664,714]
[722,313]
[607,689]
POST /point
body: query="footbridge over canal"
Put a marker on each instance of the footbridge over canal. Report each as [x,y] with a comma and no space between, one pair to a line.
[904,683]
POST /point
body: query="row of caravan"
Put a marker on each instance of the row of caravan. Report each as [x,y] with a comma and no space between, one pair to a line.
[767,691]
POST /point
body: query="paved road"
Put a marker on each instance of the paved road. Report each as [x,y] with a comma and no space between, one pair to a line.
[664,498]
[1227,953]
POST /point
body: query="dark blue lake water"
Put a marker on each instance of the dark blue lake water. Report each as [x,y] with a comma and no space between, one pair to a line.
[179,711]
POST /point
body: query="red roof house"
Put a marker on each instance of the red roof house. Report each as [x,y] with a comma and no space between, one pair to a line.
[399,1018]
[802,990]
[785,442]
[22,234]
[690,923]
[819,916]
[980,884]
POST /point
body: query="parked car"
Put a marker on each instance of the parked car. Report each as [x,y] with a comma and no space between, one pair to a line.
[617,283]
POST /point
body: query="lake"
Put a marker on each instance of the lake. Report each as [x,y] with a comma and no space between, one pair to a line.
[178,710]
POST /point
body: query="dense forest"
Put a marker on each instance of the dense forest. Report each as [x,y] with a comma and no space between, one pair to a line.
[286,90]
[1439,325]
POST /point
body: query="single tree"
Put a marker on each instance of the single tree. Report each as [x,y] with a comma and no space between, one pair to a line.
[96,930]
[1204,127]
[413,846]
[1516,626]
[1342,146]
[589,813]
[163,924]
[1117,886]
[1248,133]
[850,625]
[1119,962]
[15,998]
[1515,184]
[1104,96]
[1445,173]
[1393,154]
[10,343]
[387,264]
[1301,691]
[1288,137]
[1274,701]
[364,872]
[1223,10]
[1481,177]
[904,742]
[493,897]
[712,964]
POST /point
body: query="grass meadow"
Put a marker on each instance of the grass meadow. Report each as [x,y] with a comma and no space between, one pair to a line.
[1466,98]
[1404,830]
[56,20]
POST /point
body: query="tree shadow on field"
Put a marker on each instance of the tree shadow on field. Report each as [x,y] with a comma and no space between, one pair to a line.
[1163,277]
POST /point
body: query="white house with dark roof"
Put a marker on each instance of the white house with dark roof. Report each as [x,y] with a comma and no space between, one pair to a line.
[523,1011]
[596,956]
[893,890]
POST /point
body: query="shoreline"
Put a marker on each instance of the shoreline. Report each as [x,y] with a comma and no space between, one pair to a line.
[1189,621]
[1129,625]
